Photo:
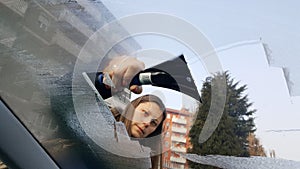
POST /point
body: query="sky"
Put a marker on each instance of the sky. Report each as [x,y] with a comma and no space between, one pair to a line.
[237,31]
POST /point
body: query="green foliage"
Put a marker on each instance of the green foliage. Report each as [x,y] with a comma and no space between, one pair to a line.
[230,136]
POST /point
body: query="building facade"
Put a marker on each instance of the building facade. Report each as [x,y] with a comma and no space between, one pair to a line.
[176,138]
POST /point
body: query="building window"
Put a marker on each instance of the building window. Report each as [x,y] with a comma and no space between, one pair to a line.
[44,22]
[166,144]
[168,116]
[167,134]
[167,124]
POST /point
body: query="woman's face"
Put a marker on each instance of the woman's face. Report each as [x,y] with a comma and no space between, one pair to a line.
[146,118]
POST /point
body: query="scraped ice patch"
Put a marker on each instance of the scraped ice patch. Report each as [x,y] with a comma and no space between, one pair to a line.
[99,124]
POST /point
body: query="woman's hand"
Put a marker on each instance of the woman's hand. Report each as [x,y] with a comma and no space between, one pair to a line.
[121,71]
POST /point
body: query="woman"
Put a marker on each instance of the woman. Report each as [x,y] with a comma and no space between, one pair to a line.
[144,118]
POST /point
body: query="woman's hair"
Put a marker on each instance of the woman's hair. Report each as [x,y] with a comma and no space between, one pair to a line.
[127,115]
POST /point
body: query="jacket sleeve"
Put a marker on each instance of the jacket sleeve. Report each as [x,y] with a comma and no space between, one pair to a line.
[104,92]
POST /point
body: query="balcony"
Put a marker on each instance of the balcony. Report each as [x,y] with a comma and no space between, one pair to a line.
[171,165]
[178,159]
[179,149]
[179,130]
[179,120]
[178,139]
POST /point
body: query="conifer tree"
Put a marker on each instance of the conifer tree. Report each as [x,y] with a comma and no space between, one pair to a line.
[230,136]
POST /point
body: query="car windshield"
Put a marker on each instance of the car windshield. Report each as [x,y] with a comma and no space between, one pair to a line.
[226,72]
